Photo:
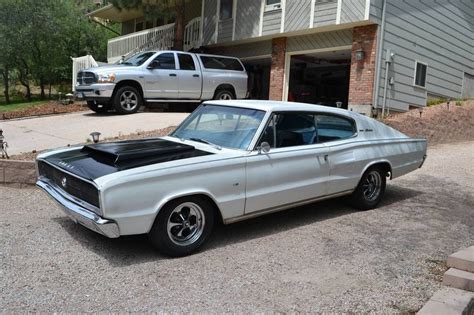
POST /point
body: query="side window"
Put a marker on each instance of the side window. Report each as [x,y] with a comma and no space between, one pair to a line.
[221,63]
[272,5]
[290,129]
[166,61]
[331,128]
[420,74]
[186,62]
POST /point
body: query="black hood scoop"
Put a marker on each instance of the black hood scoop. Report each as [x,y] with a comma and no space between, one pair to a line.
[119,152]
[96,160]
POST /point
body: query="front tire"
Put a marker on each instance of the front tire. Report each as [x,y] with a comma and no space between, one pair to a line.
[370,190]
[97,107]
[182,226]
[127,100]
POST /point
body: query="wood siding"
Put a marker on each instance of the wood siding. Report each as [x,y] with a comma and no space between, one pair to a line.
[297,15]
[271,22]
[209,22]
[258,49]
[319,41]
[325,12]
[439,34]
[225,30]
[247,23]
[352,11]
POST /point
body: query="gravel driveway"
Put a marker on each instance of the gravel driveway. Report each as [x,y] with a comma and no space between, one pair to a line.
[323,257]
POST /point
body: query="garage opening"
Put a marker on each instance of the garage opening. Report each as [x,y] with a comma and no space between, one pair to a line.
[258,71]
[320,78]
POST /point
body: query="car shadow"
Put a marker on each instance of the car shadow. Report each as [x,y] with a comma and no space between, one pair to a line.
[131,250]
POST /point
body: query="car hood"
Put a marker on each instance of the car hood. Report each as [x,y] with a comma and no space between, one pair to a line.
[97,160]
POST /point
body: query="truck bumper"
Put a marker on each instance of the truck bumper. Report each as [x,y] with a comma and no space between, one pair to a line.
[80,214]
[95,92]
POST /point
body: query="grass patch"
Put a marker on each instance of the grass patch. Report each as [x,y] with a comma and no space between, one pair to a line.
[435,101]
[4,108]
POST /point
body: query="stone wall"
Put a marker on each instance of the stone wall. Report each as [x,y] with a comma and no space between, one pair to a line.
[17,173]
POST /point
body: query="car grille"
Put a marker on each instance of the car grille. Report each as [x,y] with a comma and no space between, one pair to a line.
[73,186]
[86,78]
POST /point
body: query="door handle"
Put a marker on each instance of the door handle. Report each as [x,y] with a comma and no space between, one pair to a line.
[326,157]
[196,75]
[172,74]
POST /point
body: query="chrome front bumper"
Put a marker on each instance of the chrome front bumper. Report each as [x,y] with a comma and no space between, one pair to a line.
[96,91]
[81,215]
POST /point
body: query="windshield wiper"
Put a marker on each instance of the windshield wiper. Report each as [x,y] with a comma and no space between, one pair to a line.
[206,142]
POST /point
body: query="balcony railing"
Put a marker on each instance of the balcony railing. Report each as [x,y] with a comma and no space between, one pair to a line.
[158,38]
[192,34]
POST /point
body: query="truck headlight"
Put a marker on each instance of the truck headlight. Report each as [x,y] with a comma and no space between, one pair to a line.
[106,78]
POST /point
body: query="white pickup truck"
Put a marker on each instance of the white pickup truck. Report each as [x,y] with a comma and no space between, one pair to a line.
[161,76]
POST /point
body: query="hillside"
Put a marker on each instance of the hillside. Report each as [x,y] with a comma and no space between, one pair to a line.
[437,123]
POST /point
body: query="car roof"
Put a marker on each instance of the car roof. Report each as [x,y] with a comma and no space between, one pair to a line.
[276,106]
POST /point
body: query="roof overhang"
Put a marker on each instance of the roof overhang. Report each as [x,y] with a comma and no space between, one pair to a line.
[109,12]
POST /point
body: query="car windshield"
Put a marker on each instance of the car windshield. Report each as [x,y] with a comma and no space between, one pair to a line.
[138,59]
[230,127]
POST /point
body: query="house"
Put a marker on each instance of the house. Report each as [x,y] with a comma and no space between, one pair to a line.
[358,54]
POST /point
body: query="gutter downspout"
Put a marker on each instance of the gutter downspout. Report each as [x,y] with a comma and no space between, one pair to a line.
[379,55]
[388,62]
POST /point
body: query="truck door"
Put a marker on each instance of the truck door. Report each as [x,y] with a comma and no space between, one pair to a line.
[189,77]
[161,79]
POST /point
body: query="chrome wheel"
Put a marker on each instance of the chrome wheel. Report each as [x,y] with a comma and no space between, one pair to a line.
[225,96]
[186,224]
[128,101]
[372,186]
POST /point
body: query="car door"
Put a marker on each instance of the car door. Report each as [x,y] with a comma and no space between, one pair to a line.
[161,78]
[294,170]
[189,77]
[347,157]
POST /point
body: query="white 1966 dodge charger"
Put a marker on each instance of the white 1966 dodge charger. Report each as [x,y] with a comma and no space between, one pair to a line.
[228,161]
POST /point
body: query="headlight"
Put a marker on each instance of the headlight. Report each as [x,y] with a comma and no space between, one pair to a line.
[106,78]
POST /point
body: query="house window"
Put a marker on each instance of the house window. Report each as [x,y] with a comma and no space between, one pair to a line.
[226,9]
[272,5]
[420,74]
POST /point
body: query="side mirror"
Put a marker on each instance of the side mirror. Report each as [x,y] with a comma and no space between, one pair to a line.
[155,64]
[264,147]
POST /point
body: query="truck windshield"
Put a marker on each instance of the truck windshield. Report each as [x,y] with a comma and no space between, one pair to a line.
[138,59]
[225,126]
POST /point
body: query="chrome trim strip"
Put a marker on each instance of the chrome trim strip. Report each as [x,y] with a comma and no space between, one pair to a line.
[285,207]
[80,214]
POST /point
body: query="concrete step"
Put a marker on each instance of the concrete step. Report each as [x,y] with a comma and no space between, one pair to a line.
[459,279]
[448,301]
[462,260]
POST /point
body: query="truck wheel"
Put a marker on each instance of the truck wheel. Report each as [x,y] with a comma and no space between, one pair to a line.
[370,190]
[224,95]
[182,226]
[97,107]
[127,100]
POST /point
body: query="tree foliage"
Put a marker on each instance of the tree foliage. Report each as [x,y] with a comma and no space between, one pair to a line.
[39,38]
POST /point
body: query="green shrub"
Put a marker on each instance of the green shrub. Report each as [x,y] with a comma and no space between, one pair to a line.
[435,101]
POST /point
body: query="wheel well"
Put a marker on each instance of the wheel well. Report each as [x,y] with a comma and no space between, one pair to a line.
[226,87]
[132,83]
[385,166]
[217,212]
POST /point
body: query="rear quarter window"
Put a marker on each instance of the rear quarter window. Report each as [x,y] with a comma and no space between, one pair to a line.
[331,128]
[221,63]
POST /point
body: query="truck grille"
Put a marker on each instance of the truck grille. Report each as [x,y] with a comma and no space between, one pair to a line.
[70,184]
[86,78]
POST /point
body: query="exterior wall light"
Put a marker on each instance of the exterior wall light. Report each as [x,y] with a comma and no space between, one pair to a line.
[95,136]
[338,104]
[360,54]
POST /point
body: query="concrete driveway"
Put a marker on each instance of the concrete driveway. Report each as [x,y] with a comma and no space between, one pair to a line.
[320,258]
[25,135]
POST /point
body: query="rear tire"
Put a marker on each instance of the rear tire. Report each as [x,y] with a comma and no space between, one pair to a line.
[224,95]
[370,190]
[127,100]
[99,108]
[182,226]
